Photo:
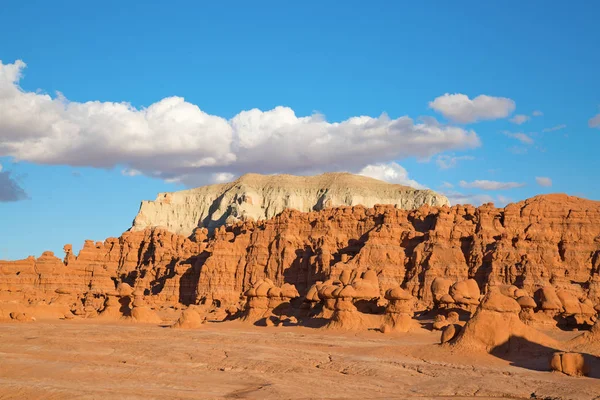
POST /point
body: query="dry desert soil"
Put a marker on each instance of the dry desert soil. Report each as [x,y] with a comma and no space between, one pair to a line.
[93,360]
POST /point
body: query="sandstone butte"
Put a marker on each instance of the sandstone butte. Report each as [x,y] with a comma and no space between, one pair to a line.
[546,241]
[256,197]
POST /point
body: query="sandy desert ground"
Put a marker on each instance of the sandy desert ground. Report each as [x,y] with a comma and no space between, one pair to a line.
[93,360]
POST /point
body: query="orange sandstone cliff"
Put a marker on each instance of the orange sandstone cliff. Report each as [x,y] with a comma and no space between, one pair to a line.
[550,240]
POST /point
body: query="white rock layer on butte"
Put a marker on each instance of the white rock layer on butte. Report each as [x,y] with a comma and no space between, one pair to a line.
[257,197]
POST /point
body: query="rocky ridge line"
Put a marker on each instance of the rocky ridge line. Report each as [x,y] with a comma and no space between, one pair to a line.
[259,197]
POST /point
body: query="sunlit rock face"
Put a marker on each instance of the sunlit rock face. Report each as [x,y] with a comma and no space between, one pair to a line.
[258,197]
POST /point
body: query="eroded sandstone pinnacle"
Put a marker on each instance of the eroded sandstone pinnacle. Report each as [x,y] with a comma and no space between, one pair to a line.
[260,197]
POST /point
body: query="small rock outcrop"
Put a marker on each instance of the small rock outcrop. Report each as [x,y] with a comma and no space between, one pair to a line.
[572,364]
[190,318]
[496,326]
[141,311]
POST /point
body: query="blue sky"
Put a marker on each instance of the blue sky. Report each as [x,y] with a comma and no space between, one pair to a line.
[76,161]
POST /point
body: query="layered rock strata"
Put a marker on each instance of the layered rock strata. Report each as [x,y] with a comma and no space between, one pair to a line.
[547,247]
[258,197]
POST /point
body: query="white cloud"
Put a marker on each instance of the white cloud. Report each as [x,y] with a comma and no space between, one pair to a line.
[594,122]
[543,181]
[391,172]
[503,200]
[490,185]
[520,119]
[447,161]
[537,113]
[459,108]
[477,199]
[130,172]
[222,177]
[447,185]
[473,199]
[555,128]
[521,137]
[175,140]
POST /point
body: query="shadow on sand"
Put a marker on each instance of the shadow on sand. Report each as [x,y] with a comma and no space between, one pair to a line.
[523,353]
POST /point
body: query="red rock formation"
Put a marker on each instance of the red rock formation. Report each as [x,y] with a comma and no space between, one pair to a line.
[551,240]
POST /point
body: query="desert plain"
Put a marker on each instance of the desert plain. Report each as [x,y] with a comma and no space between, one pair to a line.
[94,360]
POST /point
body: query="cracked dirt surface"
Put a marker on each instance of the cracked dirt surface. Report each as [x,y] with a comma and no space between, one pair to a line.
[92,360]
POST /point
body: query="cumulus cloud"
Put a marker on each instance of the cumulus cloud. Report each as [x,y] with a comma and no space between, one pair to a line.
[10,190]
[460,108]
[555,128]
[594,122]
[520,119]
[449,161]
[391,172]
[537,113]
[175,140]
[490,185]
[222,177]
[521,137]
[543,181]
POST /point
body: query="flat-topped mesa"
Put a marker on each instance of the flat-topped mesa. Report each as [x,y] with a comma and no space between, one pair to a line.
[258,197]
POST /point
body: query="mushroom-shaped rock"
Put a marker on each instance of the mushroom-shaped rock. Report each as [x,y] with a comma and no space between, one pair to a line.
[346,293]
[569,301]
[326,291]
[446,301]
[274,292]
[397,293]
[501,303]
[440,287]
[289,291]
[265,299]
[526,302]
[263,289]
[549,301]
[312,295]
[399,311]
[112,307]
[345,315]
[365,289]
[521,293]
[124,289]
[465,293]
